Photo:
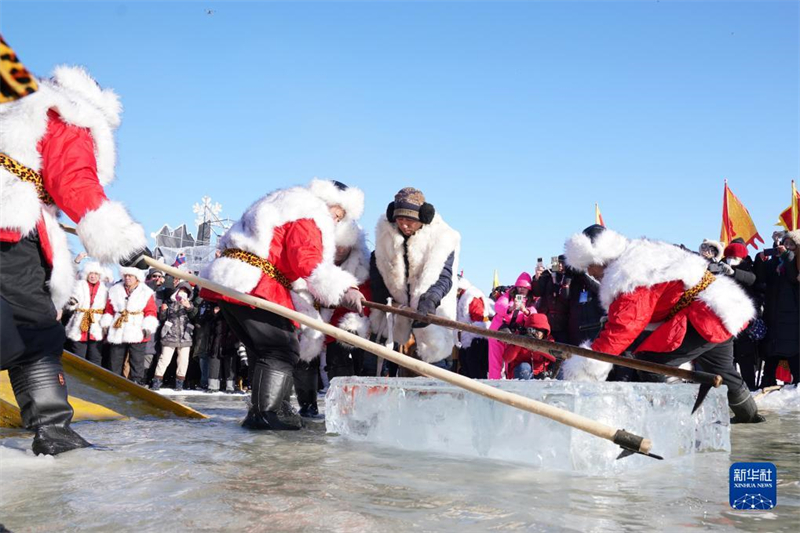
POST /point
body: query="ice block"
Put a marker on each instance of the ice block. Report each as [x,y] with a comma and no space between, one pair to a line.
[428,415]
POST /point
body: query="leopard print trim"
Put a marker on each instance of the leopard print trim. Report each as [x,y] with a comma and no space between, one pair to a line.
[16,80]
[689,296]
[27,175]
[259,262]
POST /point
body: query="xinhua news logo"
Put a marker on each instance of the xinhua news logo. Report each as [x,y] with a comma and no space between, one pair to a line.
[753,486]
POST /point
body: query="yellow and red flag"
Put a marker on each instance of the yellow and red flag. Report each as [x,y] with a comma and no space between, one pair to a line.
[598,218]
[736,221]
[790,217]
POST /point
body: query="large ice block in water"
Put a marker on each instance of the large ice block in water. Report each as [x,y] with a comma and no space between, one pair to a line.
[429,415]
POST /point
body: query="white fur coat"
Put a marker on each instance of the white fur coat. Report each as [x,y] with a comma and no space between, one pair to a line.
[83,296]
[428,250]
[130,331]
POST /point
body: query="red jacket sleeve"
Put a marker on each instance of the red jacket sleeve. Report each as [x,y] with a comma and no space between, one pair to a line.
[627,317]
[476,310]
[69,168]
[303,245]
[150,309]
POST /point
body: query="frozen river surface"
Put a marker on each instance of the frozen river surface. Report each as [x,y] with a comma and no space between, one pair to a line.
[211,475]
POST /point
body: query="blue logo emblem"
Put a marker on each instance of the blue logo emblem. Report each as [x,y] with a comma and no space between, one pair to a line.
[753,486]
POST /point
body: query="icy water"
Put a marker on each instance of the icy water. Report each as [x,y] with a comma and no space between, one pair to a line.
[181,475]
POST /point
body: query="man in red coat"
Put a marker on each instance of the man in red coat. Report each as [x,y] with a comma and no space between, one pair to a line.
[56,154]
[666,295]
[285,236]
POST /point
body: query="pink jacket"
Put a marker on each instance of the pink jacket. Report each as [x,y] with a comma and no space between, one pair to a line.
[504,311]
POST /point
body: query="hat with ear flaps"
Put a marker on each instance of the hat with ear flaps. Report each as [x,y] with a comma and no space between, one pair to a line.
[410,203]
[595,245]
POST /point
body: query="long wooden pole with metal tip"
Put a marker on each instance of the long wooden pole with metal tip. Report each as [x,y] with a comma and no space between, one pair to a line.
[628,441]
[555,349]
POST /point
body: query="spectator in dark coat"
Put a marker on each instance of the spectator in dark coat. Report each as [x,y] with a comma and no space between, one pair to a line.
[176,334]
[553,294]
[781,308]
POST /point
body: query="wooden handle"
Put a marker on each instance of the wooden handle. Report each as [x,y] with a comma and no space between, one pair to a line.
[555,349]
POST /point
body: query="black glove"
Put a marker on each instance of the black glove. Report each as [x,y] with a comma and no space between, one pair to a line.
[136,259]
[424,307]
[714,268]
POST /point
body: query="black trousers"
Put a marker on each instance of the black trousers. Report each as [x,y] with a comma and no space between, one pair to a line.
[475,359]
[225,361]
[89,350]
[136,351]
[716,358]
[270,339]
[29,330]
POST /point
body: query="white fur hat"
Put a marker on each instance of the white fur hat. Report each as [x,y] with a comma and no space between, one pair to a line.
[583,251]
[92,266]
[717,246]
[463,283]
[351,199]
[139,273]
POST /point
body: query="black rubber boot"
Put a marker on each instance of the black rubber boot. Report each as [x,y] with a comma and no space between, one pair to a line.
[271,408]
[744,408]
[305,386]
[41,393]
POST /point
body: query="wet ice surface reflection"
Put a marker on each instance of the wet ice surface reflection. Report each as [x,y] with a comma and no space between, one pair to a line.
[169,475]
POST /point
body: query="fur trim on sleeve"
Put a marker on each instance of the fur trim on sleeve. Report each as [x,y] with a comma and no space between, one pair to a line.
[328,283]
[110,234]
[150,323]
[578,368]
[355,323]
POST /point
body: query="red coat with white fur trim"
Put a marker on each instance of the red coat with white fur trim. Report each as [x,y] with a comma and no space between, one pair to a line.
[64,131]
[294,231]
[644,283]
[142,314]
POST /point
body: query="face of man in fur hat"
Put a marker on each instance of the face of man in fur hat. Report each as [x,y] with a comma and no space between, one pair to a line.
[130,281]
[337,213]
[408,226]
[93,278]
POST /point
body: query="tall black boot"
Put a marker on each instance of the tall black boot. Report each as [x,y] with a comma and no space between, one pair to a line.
[41,393]
[270,409]
[744,407]
[339,361]
[305,386]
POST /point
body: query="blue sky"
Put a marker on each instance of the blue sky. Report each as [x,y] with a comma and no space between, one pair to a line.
[513,118]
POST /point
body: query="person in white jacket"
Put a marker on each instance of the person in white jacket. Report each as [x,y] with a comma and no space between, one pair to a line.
[88,302]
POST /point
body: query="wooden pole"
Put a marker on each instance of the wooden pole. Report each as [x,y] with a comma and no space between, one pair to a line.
[628,441]
[558,350]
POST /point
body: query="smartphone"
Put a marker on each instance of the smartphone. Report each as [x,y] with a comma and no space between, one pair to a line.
[519,299]
[769,252]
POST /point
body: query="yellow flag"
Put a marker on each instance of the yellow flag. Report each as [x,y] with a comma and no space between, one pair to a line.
[598,218]
[736,221]
[496,281]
